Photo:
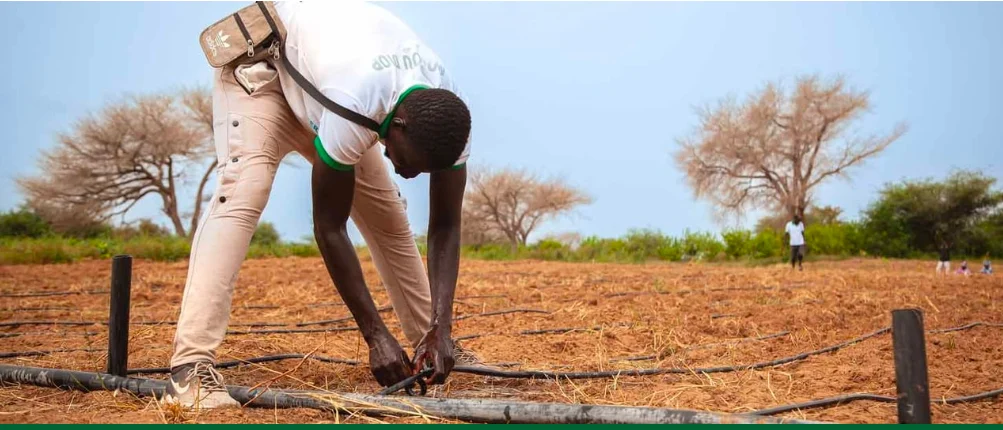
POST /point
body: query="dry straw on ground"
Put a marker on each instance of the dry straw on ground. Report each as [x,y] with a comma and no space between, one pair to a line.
[686,316]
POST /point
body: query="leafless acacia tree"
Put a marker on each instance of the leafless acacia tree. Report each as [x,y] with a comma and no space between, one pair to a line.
[145,145]
[510,204]
[774,149]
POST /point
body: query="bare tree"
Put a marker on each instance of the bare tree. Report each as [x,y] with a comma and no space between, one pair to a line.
[774,149]
[146,145]
[511,204]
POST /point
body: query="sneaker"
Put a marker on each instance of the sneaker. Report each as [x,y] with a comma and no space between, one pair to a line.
[198,385]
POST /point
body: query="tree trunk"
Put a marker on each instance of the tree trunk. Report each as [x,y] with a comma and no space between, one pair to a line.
[197,214]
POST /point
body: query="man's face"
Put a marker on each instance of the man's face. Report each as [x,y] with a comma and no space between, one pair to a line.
[797,219]
[407,162]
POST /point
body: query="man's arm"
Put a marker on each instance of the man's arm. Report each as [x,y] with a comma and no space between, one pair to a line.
[332,203]
[446,201]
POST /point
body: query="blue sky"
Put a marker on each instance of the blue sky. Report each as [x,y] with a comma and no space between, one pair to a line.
[595,93]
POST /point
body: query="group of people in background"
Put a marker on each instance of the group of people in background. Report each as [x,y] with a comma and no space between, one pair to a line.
[795,233]
[944,264]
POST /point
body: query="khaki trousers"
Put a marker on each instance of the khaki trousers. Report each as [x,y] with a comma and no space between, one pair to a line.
[253,131]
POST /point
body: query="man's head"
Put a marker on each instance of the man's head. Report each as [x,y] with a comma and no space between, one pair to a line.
[797,219]
[428,132]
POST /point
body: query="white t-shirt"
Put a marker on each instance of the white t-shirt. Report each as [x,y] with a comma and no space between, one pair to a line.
[360,56]
[796,232]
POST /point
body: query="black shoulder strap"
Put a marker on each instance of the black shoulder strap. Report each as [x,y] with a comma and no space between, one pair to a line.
[312,90]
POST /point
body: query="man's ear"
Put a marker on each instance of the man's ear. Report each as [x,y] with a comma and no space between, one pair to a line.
[399,122]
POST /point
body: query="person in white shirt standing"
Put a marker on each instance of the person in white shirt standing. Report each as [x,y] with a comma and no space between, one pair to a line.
[794,230]
[365,59]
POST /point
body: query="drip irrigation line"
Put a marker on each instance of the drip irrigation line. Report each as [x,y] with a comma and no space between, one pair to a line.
[67,323]
[256,360]
[52,293]
[43,308]
[292,330]
[545,374]
[140,323]
[718,316]
[971,398]
[48,333]
[848,398]
[705,290]
[708,345]
[325,305]
[966,327]
[409,382]
[483,296]
[14,354]
[338,320]
[502,312]
[472,410]
[545,331]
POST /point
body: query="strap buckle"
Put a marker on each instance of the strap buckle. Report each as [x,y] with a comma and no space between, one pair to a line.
[250,48]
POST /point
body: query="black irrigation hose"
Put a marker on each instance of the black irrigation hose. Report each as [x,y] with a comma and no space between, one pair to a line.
[259,324]
[966,327]
[717,316]
[338,320]
[543,374]
[483,296]
[844,399]
[502,312]
[545,331]
[408,383]
[48,333]
[706,290]
[708,345]
[472,410]
[42,308]
[293,330]
[52,293]
[14,354]
[256,360]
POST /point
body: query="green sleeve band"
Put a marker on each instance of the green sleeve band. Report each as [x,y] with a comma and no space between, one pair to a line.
[459,166]
[327,158]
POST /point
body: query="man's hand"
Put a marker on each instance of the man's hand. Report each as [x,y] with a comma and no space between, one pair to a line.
[435,350]
[332,203]
[388,361]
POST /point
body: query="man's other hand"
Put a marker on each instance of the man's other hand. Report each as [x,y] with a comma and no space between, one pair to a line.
[435,350]
[388,361]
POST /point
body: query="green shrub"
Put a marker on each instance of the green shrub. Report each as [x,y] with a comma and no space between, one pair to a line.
[23,223]
[266,234]
[701,246]
[34,251]
[171,248]
[737,243]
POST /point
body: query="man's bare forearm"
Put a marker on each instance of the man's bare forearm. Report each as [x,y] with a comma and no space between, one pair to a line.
[443,269]
[332,203]
[343,265]
[446,202]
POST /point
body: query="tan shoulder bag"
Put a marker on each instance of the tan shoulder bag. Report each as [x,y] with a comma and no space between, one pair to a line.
[259,27]
[248,31]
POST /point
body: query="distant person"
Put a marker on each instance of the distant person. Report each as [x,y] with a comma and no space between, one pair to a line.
[963,270]
[987,266]
[944,263]
[796,237]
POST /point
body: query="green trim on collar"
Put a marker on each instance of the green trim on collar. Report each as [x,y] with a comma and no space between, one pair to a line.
[385,125]
[327,158]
